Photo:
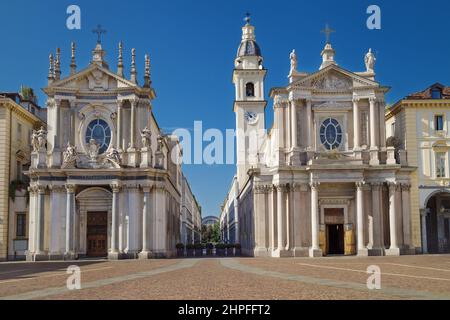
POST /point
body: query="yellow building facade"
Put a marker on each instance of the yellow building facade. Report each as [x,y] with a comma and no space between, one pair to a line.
[420,124]
[17,120]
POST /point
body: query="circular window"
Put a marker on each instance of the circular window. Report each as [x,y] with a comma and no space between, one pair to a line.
[331,134]
[99,131]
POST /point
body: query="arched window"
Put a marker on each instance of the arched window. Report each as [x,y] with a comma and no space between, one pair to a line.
[250,89]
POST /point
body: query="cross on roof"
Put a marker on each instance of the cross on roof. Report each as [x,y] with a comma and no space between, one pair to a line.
[99,31]
[328,32]
[247,17]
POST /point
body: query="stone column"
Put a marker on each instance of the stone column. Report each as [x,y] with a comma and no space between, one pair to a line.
[113,253]
[145,253]
[406,214]
[374,160]
[315,250]
[40,224]
[393,249]
[360,219]
[281,220]
[119,143]
[309,122]
[423,216]
[356,128]
[377,247]
[32,223]
[70,221]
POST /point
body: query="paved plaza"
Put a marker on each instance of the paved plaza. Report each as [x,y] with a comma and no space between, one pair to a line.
[408,277]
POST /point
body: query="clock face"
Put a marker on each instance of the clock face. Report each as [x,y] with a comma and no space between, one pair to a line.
[251,117]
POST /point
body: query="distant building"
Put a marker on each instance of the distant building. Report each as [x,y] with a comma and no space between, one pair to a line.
[18,118]
[420,123]
[191,215]
[210,220]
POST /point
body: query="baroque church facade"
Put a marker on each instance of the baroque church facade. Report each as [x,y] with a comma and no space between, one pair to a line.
[104,179]
[324,179]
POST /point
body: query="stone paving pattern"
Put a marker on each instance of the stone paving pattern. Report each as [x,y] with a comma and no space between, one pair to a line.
[408,277]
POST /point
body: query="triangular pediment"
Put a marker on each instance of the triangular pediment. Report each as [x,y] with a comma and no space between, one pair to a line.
[333,78]
[92,78]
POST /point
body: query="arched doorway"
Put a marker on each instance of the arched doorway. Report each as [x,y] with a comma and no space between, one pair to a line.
[437,224]
[93,225]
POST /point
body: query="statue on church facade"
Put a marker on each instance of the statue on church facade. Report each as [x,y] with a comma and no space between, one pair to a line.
[370,61]
[113,156]
[93,149]
[39,140]
[294,61]
[70,156]
[146,136]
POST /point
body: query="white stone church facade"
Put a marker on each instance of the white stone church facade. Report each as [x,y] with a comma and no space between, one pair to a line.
[322,180]
[105,180]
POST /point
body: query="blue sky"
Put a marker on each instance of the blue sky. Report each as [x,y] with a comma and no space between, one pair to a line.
[192,45]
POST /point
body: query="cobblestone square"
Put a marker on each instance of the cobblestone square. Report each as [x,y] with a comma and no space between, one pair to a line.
[402,278]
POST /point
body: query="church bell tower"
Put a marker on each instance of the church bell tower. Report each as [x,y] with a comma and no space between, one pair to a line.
[249,104]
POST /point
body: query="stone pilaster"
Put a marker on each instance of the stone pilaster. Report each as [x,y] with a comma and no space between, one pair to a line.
[356,128]
[374,160]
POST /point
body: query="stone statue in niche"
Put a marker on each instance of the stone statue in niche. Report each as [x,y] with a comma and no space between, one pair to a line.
[93,148]
[70,156]
[370,61]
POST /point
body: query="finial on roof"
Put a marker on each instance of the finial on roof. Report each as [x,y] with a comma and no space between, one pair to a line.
[147,71]
[73,65]
[50,69]
[133,66]
[120,60]
[58,64]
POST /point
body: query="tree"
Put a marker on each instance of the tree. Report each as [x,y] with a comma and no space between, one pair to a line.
[211,233]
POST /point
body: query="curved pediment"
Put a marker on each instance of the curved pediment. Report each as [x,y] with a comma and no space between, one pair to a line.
[94,193]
